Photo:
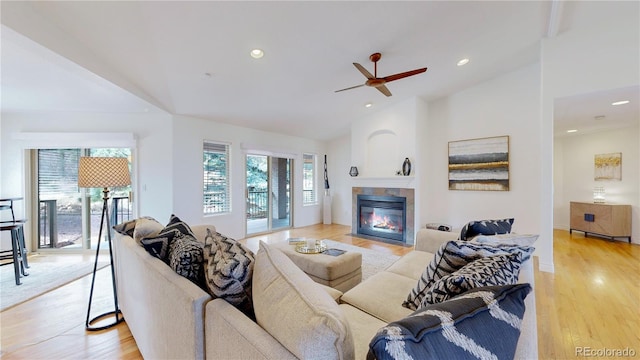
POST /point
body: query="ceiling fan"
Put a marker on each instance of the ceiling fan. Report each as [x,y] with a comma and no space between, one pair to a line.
[375,81]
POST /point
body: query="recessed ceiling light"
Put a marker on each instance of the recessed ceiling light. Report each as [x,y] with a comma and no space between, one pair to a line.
[620,102]
[572,131]
[368,105]
[464,61]
[257,53]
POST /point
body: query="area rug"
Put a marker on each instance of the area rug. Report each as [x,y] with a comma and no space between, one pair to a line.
[44,275]
[372,261]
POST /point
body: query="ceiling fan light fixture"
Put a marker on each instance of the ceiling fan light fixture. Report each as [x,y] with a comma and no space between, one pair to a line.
[463,62]
[622,102]
[257,53]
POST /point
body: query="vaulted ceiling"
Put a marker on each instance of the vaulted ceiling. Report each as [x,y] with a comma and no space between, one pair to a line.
[192,58]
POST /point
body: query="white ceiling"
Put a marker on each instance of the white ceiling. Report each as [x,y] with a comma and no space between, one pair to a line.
[145,56]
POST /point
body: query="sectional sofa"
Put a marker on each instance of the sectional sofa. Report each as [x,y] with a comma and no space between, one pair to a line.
[170,317]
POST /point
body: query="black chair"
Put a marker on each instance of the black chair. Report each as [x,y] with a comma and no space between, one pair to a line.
[18,252]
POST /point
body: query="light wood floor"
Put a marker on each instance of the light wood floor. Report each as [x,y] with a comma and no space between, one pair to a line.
[592,300]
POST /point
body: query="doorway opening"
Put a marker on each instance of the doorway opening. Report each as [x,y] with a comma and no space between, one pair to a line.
[268,193]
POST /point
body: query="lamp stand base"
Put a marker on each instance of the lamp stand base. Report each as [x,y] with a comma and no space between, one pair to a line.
[118,320]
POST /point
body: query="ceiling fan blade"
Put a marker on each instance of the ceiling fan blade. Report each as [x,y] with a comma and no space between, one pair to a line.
[383,89]
[403,75]
[364,71]
[349,88]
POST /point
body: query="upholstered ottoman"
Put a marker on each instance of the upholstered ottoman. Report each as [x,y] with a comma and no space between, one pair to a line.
[340,272]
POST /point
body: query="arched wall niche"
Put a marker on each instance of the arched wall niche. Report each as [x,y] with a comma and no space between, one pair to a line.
[382,152]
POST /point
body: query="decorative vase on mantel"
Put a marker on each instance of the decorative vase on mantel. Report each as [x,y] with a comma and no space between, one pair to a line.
[406,167]
[353,171]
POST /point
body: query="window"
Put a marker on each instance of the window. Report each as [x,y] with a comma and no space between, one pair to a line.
[217,189]
[309,179]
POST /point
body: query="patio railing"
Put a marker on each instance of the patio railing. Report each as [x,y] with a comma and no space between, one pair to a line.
[257,204]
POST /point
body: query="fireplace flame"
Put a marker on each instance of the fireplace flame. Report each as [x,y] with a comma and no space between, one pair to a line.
[382,223]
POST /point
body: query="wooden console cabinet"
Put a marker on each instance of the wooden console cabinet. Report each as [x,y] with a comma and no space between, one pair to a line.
[613,221]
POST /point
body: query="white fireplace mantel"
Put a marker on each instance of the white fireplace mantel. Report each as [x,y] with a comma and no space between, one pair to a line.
[386,182]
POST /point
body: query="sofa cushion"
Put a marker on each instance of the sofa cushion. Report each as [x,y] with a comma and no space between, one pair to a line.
[483,323]
[296,311]
[363,327]
[229,270]
[486,227]
[493,270]
[452,256]
[146,227]
[186,258]
[411,265]
[380,295]
[506,239]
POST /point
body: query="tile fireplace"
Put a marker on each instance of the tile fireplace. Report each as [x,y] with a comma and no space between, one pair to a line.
[385,214]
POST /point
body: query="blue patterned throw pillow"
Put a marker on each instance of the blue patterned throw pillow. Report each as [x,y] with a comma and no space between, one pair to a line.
[186,258]
[159,246]
[125,228]
[486,227]
[493,270]
[452,256]
[483,323]
[175,224]
[229,271]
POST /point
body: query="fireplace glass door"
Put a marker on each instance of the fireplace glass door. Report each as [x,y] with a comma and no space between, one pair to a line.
[382,216]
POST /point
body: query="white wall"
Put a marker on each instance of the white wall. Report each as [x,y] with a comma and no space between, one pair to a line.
[188,135]
[338,164]
[507,105]
[382,140]
[575,177]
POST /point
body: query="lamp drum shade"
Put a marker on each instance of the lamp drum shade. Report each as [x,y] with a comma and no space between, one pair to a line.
[101,172]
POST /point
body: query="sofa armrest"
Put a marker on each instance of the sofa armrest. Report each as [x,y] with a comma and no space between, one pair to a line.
[163,310]
[528,342]
[430,240]
[232,335]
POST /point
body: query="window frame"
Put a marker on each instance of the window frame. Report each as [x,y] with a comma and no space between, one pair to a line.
[208,146]
[314,178]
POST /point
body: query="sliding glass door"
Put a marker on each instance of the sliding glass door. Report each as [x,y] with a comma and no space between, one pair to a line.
[268,191]
[68,217]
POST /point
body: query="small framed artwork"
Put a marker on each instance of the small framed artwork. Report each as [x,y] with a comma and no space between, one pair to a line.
[608,167]
[479,164]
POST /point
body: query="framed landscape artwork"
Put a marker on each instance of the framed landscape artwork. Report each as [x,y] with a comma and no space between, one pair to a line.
[479,164]
[608,166]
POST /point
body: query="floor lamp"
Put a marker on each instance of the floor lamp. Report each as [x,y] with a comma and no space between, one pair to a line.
[103,172]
